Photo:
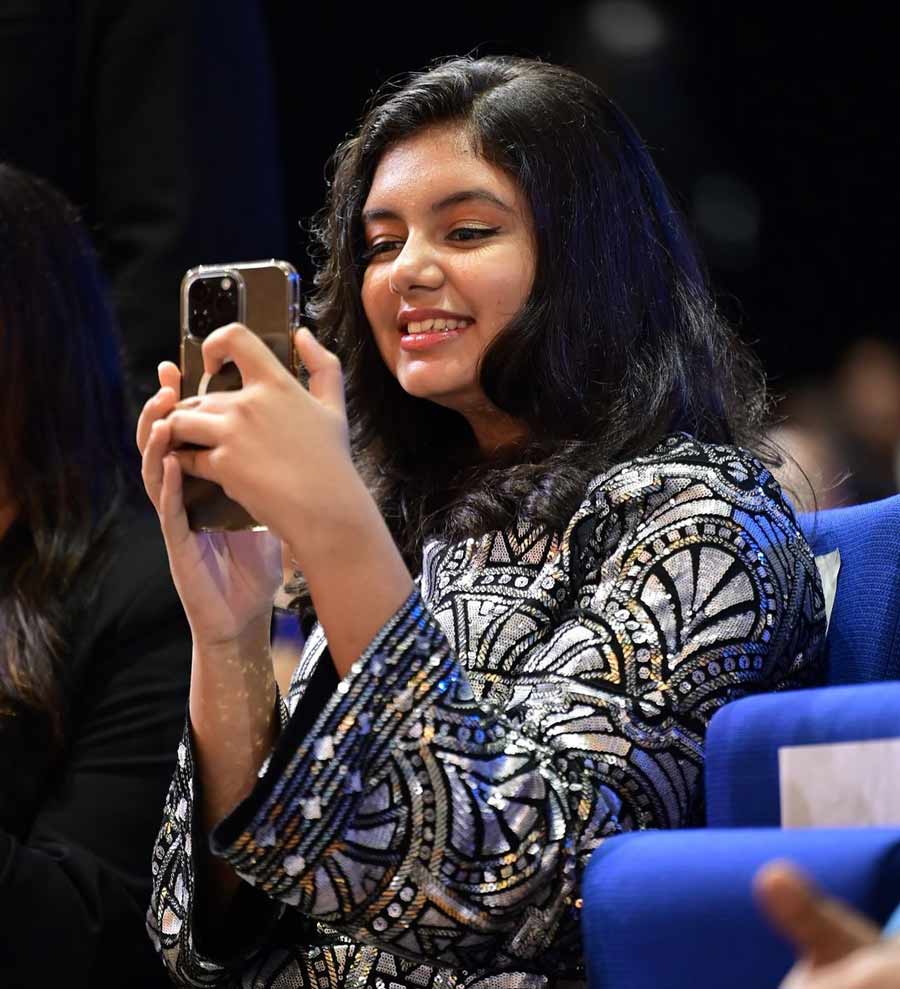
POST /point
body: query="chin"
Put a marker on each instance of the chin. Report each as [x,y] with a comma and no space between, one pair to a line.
[432,388]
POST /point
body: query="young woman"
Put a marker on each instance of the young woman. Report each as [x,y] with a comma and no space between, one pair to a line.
[546,422]
[94,648]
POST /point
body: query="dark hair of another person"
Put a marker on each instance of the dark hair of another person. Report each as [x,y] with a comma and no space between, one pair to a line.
[66,448]
[619,344]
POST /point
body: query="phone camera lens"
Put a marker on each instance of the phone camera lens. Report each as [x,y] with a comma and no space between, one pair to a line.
[225,306]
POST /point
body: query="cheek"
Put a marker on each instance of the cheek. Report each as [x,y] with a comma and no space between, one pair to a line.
[376,299]
[370,295]
[503,286]
[521,284]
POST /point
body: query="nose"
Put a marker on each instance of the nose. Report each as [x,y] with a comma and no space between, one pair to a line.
[415,267]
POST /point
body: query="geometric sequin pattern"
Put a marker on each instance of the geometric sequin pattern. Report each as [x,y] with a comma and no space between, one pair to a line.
[536,693]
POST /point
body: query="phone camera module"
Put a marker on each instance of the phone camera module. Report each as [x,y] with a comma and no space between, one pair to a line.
[212,302]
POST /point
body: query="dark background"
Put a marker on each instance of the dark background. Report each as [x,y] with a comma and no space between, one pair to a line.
[192,131]
[774,125]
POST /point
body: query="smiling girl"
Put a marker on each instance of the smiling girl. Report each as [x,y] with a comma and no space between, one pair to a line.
[538,413]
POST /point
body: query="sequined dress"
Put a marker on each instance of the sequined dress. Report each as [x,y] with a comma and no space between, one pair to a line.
[424,823]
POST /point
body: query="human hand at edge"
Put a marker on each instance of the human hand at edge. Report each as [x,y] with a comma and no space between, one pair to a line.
[838,947]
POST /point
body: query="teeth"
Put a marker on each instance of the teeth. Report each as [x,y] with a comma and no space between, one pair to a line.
[435,325]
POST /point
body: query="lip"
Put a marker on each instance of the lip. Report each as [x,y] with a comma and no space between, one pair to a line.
[422,341]
[406,316]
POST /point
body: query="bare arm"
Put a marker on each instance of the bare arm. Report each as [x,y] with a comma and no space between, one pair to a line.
[235,725]
[356,575]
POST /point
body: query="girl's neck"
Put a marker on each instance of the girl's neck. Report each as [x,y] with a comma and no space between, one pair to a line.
[495,431]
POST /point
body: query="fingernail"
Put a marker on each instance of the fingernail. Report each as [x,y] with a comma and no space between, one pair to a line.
[187,403]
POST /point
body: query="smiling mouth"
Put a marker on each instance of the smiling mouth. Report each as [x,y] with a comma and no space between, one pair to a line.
[437,325]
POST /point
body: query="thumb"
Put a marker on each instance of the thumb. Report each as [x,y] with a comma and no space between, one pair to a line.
[326,380]
[822,929]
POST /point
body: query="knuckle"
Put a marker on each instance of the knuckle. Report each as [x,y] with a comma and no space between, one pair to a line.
[239,411]
[221,335]
[233,331]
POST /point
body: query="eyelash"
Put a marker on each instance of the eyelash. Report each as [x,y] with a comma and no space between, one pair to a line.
[481,233]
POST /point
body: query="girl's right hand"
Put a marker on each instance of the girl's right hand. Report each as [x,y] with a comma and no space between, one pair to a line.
[227,581]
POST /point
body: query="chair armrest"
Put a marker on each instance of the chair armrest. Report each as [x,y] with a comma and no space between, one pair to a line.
[744,737]
[674,909]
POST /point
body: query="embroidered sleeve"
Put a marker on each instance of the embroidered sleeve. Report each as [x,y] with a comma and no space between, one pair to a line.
[171,917]
[411,816]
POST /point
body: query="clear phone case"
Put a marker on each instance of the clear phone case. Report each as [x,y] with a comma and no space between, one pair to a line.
[268,303]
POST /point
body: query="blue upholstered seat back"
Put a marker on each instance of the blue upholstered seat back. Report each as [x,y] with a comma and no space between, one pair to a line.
[864,635]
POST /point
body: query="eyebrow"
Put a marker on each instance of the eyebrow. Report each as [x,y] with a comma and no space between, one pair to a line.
[463,196]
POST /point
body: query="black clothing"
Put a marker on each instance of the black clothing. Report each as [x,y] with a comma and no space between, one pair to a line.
[77,823]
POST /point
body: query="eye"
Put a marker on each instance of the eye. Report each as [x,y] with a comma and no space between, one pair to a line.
[472,233]
[382,247]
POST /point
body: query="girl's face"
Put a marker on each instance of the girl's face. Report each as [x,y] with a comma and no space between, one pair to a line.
[450,260]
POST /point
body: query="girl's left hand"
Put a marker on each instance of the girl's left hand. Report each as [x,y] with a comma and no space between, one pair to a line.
[280,450]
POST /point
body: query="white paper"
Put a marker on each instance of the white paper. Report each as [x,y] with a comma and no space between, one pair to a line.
[829,566]
[840,785]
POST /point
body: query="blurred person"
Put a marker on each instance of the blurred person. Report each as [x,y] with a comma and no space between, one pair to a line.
[545,419]
[867,394]
[838,947]
[813,473]
[94,648]
[842,435]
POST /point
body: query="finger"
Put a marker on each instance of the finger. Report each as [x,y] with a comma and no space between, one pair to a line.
[326,379]
[155,408]
[873,967]
[213,401]
[798,977]
[151,464]
[195,426]
[173,517]
[169,376]
[197,463]
[822,929]
[236,343]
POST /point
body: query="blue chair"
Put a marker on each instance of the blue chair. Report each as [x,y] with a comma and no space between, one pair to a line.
[674,910]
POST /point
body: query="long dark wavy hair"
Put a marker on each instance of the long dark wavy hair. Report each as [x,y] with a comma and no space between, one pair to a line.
[619,344]
[66,448]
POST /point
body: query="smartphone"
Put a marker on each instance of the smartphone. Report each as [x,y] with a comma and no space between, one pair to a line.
[265,297]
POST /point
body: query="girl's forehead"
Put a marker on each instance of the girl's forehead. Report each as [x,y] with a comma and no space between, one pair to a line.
[433,162]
